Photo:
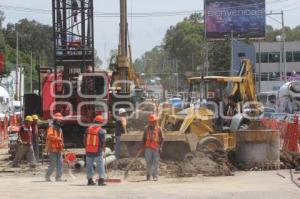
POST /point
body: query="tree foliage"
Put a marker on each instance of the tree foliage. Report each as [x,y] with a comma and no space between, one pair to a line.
[185,42]
[33,37]
[184,50]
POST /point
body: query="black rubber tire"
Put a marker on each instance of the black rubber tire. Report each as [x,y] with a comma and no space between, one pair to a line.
[210,143]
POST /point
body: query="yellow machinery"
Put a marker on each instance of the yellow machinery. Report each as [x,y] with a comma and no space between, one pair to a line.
[198,126]
[123,69]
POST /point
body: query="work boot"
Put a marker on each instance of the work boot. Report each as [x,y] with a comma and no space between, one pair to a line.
[101,182]
[155,178]
[47,178]
[148,177]
[60,180]
[91,182]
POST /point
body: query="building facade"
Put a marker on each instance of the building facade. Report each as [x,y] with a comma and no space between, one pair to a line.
[270,65]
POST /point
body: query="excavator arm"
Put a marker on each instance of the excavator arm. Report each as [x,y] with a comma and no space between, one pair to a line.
[246,89]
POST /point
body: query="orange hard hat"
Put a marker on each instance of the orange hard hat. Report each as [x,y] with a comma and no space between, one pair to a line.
[152,118]
[58,116]
[99,119]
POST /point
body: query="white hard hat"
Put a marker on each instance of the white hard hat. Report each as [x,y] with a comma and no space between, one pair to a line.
[122,110]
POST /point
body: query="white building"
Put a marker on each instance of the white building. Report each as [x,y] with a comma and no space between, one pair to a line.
[270,63]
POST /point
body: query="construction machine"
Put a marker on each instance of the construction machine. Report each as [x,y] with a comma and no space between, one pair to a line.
[288,97]
[126,81]
[207,123]
[74,86]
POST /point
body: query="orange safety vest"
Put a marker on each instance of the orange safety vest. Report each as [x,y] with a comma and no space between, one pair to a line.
[92,139]
[152,138]
[54,142]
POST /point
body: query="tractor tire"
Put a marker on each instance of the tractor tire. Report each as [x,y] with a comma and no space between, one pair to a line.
[210,143]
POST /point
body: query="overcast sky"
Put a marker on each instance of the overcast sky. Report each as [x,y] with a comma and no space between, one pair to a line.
[145,32]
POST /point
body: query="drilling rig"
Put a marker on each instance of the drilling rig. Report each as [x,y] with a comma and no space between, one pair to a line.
[74,86]
[126,81]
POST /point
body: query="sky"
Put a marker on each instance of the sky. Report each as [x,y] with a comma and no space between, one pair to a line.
[145,32]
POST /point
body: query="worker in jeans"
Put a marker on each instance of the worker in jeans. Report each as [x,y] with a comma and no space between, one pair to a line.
[55,147]
[120,128]
[95,148]
[35,136]
[153,144]
[24,147]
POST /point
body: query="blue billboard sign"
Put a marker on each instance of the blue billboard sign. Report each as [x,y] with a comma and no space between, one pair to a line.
[240,18]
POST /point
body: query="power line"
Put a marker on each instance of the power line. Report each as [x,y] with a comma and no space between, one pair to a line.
[138,14]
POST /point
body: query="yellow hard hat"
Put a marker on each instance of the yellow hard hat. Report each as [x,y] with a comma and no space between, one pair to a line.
[28,118]
[35,117]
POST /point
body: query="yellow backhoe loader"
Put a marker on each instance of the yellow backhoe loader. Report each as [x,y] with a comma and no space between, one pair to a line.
[205,123]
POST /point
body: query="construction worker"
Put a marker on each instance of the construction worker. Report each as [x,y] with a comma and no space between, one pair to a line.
[35,136]
[120,128]
[95,148]
[24,147]
[55,146]
[153,144]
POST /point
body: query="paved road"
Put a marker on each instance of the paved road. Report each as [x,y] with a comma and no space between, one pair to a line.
[243,185]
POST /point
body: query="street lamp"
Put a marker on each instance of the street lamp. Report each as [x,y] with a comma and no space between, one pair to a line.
[280,38]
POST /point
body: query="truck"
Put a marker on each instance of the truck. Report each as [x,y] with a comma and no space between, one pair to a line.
[288,97]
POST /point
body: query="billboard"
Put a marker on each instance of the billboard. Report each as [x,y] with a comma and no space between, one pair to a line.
[240,18]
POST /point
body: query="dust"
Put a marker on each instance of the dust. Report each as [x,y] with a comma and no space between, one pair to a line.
[206,163]
[138,121]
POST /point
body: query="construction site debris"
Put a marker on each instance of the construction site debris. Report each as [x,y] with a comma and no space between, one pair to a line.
[207,163]
[290,160]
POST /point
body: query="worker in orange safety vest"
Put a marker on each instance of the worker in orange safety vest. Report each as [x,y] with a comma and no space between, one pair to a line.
[153,144]
[24,147]
[95,148]
[55,146]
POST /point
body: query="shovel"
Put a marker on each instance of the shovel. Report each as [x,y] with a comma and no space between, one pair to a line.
[132,161]
[110,180]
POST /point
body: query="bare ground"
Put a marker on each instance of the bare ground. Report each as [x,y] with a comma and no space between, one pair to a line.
[23,183]
[244,185]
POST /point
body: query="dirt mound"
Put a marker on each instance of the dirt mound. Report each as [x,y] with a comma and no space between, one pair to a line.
[290,160]
[121,164]
[206,163]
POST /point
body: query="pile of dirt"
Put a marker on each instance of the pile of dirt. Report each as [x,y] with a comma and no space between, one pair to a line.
[290,160]
[206,163]
[121,164]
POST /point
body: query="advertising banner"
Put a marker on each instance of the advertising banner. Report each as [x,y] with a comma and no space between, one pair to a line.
[238,18]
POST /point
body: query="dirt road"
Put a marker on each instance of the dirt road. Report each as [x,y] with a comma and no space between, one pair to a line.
[244,185]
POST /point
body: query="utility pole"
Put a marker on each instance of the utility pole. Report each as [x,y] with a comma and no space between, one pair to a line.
[193,69]
[259,66]
[283,54]
[17,68]
[31,71]
[232,55]
[177,76]
[20,90]
[283,47]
